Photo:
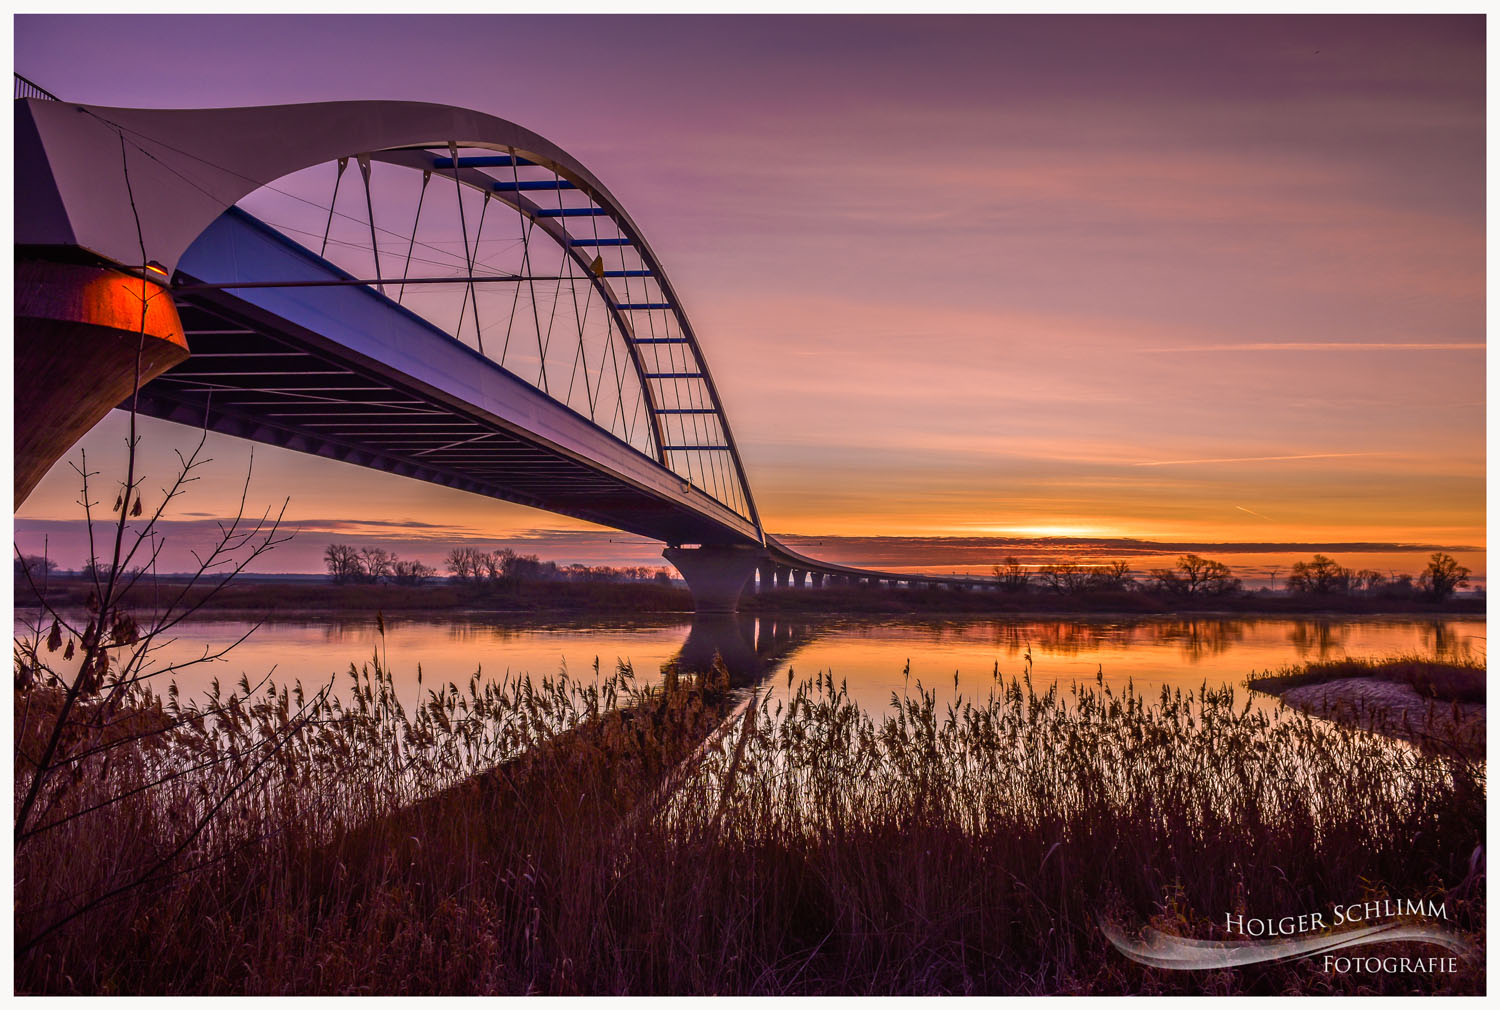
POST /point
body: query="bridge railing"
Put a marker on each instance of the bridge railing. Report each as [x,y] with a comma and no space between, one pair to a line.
[30,89]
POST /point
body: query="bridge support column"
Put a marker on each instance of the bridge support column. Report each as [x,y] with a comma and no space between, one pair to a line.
[78,330]
[817,580]
[715,575]
[800,578]
[781,574]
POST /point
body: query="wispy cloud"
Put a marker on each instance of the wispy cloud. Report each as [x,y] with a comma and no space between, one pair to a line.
[1257,459]
[1330,345]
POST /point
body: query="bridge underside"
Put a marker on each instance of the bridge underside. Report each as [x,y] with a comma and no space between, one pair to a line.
[255,372]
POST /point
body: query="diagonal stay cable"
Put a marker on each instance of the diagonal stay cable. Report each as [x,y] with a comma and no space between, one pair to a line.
[405,269]
[526,270]
[626,427]
[478,331]
[339,177]
[573,292]
[458,189]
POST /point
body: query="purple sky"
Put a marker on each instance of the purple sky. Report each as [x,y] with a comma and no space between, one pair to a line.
[1182,278]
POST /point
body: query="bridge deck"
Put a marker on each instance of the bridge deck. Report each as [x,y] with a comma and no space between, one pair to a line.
[347,374]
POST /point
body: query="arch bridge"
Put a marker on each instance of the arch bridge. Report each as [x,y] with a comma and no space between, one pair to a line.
[421,289]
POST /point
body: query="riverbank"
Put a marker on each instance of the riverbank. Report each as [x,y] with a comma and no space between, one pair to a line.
[302,597]
[1427,702]
[808,849]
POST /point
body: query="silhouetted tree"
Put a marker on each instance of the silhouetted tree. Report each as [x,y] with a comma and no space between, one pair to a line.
[524,567]
[1011,576]
[1399,587]
[378,563]
[344,563]
[409,573]
[1322,576]
[1113,576]
[1195,576]
[35,565]
[466,564]
[495,563]
[1067,577]
[1443,576]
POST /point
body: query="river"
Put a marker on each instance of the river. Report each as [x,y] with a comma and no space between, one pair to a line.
[869,653]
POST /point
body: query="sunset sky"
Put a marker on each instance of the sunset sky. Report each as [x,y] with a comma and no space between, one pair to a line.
[1187,280]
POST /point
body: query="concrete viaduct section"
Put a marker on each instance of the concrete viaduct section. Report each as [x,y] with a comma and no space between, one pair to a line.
[781,568]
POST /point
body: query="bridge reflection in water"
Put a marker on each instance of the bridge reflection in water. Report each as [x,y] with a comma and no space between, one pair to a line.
[749,648]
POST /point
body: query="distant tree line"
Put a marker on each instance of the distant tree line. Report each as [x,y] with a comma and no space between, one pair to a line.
[469,564]
[34,564]
[472,566]
[1322,576]
[1198,577]
[373,564]
[1191,576]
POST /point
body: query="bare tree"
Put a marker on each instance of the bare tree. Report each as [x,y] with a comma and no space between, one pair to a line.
[466,564]
[1066,577]
[38,566]
[1443,576]
[344,563]
[1113,576]
[1195,576]
[410,573]
[1322,576]
[377,563]
[1011,576]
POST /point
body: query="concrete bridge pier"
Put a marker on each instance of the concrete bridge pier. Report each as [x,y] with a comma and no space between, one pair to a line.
[781,574]
[817,580]
[716,575]
[800,578]
[79,331]
[767,577]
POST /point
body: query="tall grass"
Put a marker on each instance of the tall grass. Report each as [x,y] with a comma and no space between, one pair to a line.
[595,835]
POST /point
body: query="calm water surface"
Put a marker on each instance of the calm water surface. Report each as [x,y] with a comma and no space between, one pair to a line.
[870,654]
